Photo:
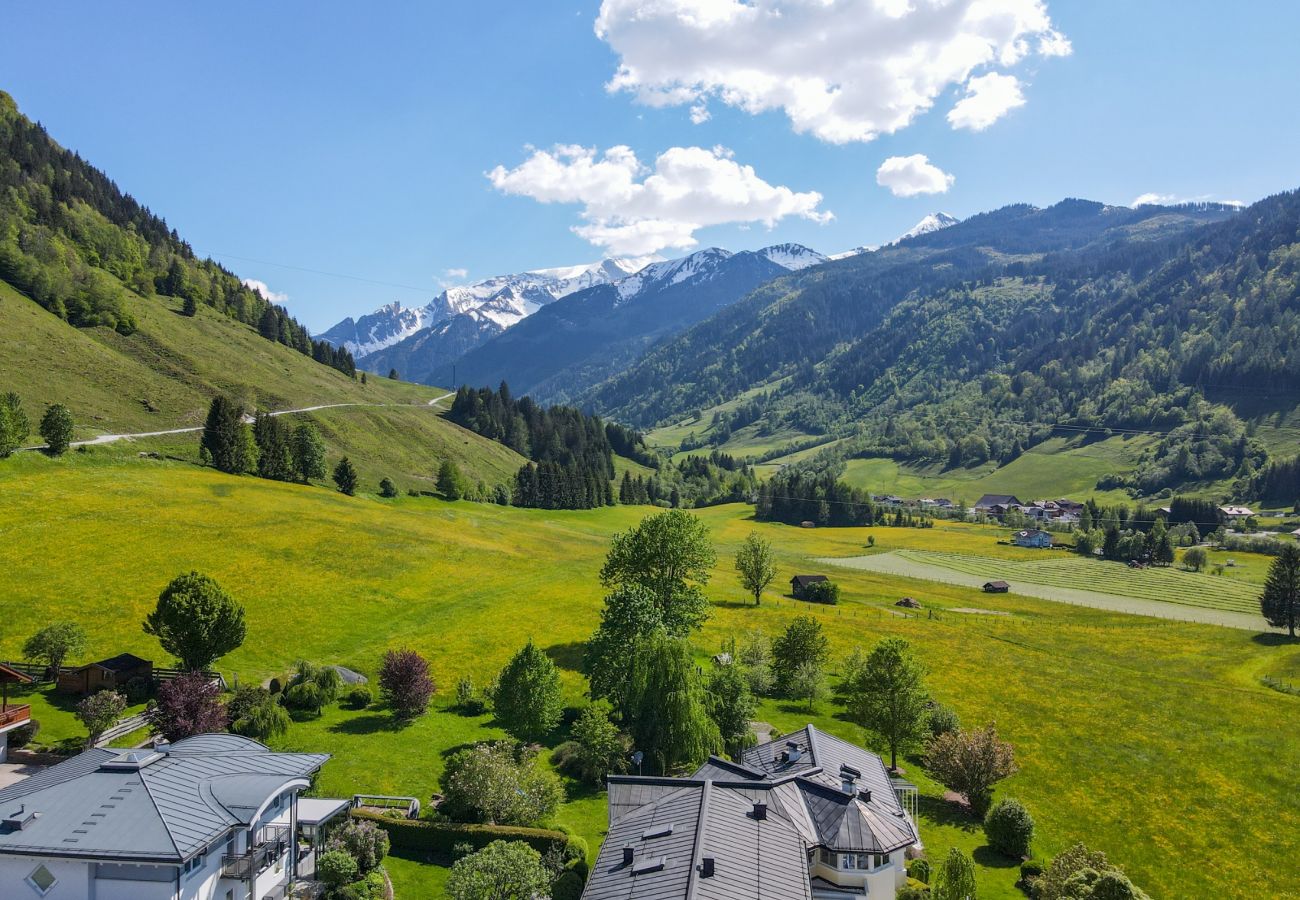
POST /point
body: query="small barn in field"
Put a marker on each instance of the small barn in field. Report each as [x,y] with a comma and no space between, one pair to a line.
[112,674]
[1032,538]
[799,584]
[996,587]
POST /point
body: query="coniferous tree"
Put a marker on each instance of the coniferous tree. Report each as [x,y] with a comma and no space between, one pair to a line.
[274,451]
[392,374]
[225,441]
[308,452]
[13,424]
[56,428]
[190,307]
[1280,602]
[345,476]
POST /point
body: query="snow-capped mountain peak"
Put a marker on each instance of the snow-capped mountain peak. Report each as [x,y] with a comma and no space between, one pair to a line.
[933,222]
[792,256]
[699,264]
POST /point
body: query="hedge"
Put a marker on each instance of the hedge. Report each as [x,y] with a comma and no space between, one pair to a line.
[440,837]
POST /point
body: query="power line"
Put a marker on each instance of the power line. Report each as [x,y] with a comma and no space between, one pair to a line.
[264,262]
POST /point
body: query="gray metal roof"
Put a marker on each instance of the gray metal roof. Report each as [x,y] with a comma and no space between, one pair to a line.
[156,807]
[713,816]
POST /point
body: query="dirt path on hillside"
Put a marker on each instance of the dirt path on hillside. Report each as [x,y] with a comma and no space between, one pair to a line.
[892,564]
[111,438]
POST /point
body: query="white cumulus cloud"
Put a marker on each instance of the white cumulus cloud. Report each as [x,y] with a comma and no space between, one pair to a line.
[631,209]
[266,292]
[456,273]
[843,70]
[988,98]
[907,176]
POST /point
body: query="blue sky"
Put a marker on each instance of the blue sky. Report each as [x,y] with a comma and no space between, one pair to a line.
[354,139]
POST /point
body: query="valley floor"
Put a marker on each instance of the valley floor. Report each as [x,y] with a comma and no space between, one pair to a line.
[1153,740]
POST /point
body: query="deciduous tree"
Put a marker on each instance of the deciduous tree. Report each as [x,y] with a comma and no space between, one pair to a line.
[56,429]
[499,783]
[669,555]
[405,683]
[885,691]
[254,712]
[630,614]
[597,747]
[196,621]
[755,565]
[54,643]
[13,424]
[187,705]
[802,641]
[955,879]
[667,716]
[99,711]
[527,698]
[971,763]
[732,706]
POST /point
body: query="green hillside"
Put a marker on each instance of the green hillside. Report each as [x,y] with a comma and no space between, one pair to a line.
[1108,713]
[967,348]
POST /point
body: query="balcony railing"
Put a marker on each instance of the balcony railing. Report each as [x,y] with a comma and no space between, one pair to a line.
[13,715]
[273,843]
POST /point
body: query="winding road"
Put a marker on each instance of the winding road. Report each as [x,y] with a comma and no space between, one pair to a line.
[111,438]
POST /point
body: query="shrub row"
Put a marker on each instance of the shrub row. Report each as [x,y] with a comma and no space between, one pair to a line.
[441,837]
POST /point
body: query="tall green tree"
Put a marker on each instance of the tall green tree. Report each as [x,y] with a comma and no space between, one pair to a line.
[527,698]
[54,643]
[100,711]
[450,483]
[971,763]
[755,565]
[1280,602]
[308,452]
[598,748]
[196,621]
[885,691]
[13,424]
[802,641]
[56,428]
[274,450]
[670,555]
[345,476]
[630,614]
[667,715]
[225,442]
[732,706]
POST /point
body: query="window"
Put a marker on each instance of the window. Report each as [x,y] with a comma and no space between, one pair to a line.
[193,865]
[42,880]
[827,857]
[855,861]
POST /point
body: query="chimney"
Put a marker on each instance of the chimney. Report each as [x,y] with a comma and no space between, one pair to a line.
[864,795]
[706,867]
[760,811]
[627,854]
[849,779]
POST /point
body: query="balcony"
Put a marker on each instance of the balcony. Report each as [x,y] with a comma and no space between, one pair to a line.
[11,715]
[272,844]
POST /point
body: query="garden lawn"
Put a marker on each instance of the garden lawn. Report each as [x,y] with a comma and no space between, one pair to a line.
[1154,741]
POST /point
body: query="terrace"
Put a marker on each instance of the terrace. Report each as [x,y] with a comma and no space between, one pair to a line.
[272,842]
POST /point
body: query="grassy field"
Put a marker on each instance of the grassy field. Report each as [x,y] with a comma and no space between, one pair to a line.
[1154,741]
[1055,468]
[1068,570]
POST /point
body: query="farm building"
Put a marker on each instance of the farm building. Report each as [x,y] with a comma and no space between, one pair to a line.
[1032,538]
[1237,512]
[993,503]
[112,674]
[12,715]
[996,587]
[800,583]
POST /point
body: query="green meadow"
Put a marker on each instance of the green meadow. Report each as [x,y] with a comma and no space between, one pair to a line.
[1152,740]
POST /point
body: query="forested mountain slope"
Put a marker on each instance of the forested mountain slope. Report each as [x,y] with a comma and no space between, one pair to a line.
[106,310]
[981,340]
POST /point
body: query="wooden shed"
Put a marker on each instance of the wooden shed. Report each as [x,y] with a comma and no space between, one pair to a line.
[112,674]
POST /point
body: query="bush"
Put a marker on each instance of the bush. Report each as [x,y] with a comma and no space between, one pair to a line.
[386,488]
[421,836]
[405,683]
[568,886]
[1010,828]
[822,592]
[337,868]
[1030,871]
[364,841]
[138,689]
[919,869]
[358,698]
[499,783]
[942,720]
[912,892]
[23,735]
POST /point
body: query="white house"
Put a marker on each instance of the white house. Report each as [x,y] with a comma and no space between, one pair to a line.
[213,817]
[805,817]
